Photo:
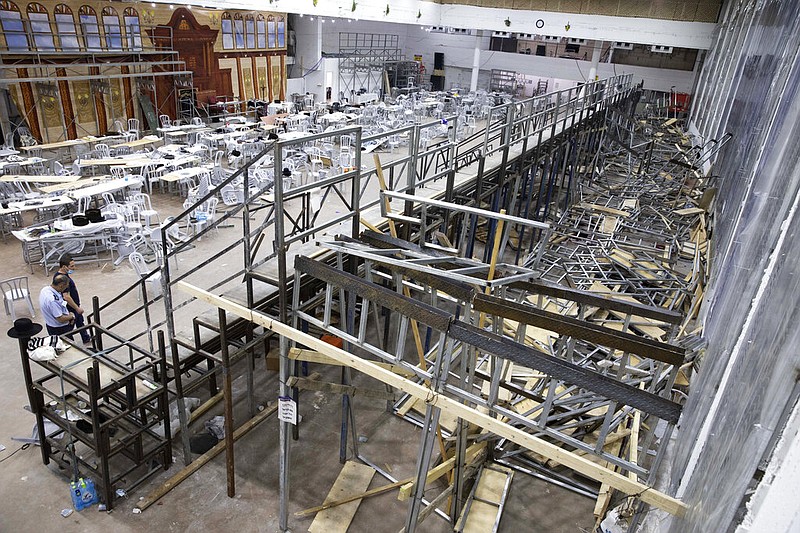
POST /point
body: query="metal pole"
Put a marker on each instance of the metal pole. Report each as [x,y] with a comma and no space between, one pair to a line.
[284,429]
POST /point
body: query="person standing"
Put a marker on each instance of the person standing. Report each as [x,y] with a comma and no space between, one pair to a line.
[66,266]
[57,317]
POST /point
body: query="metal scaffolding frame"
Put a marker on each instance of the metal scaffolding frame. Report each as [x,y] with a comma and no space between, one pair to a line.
[362,60]
[534,162]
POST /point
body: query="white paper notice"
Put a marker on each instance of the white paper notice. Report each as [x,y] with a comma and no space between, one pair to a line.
[287,410]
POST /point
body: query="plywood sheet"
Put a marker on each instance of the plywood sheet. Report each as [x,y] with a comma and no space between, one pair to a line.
[353,479]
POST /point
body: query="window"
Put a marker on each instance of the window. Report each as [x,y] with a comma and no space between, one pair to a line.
[112,29]
[250,31]
[90,28]
[281,33]
[271,32]
[40,27]
[65,27]
[227,31]
[238,30]
[13,29]
[132,30]
[261,32]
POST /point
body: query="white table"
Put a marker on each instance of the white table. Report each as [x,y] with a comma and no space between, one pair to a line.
[11,178]
[52,244]
[36,203]
[144,141]
[183,173]
[103,187]
[292,135]
[366,98]
[23,162]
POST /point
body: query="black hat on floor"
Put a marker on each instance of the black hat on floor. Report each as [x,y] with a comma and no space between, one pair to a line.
[24,328]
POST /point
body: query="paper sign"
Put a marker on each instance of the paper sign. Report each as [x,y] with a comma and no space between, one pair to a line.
[287,410]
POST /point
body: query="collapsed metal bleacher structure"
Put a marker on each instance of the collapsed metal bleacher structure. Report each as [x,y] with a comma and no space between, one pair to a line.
[440,268]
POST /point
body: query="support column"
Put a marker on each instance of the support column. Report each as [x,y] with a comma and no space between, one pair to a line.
[597,51]
[476,62]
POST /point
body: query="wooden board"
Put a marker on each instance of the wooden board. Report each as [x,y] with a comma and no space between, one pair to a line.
[689,211]
[354,478]
[491,485]
[484,508]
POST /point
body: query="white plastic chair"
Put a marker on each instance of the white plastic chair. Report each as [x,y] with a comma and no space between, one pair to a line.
[15,289]
[140,267]
[146,211]
[103,151]
[203,215]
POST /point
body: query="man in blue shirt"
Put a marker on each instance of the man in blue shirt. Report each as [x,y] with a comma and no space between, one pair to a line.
[54,308]
[66,266]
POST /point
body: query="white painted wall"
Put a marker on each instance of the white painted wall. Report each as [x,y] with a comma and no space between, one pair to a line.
[315,37]
[775,506]
[627,29]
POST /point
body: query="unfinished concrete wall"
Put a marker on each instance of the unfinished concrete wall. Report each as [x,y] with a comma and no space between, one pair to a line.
[751,88]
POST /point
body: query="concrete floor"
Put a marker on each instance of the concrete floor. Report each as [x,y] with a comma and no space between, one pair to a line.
[32,494]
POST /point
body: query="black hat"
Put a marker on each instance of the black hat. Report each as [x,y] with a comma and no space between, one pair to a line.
[24,328]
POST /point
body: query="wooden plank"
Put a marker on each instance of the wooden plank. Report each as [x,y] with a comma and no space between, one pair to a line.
[604,209]
[609,224]
[372,492]
[336,388]
[481,518]
[492,483]
[354,477]
[312,356]
[689,211]
[446,404]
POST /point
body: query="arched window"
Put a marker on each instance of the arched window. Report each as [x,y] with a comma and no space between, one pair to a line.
[65,27]
[13,29]
[250,31]
[112,29]
[90,28]
[238,30]
[227,31]
[261,32]
[132,30]
[271,32]
[40,27]
[281,33]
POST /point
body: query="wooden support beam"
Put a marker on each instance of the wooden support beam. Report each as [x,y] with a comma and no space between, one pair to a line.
[336,388]
[311,356]
[450,405]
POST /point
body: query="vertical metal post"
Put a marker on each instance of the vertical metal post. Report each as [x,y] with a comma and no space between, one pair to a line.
[227,387]
[284,429]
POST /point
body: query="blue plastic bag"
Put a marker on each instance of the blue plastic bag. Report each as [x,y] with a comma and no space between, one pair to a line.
[83,493]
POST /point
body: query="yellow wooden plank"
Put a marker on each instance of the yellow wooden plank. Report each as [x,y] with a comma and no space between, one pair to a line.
[689,211]
[604,209]
[609,224]
[354,478]
[491,485]
[481,518]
